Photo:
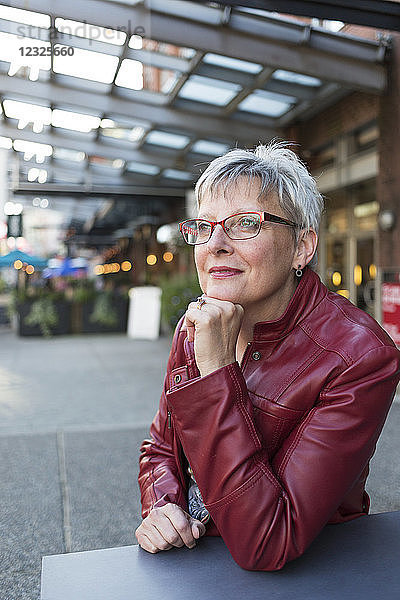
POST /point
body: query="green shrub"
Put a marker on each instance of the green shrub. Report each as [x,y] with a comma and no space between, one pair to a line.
[43,313]
[43,310]
[83,293]
[104,312]
[177,291]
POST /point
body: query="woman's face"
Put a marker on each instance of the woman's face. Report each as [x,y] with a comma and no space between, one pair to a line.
[257,272]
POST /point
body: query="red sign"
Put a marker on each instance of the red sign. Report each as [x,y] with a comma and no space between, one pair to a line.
[391,310]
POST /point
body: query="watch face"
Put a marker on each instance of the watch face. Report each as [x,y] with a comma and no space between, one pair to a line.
[197,510]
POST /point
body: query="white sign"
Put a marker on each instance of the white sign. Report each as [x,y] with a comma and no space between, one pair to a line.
[144,313]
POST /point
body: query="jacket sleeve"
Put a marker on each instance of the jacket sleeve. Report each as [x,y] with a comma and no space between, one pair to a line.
[160,477]
[269,512]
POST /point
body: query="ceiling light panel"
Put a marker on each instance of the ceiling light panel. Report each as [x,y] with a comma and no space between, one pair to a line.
[170,140]
[91,32]
[74,121]
[176,174]
[232,63]
[69,155]
[93,66]
[10,52]
[211,91]
[118,130]
[5,142]
[31,149]
[118,163]
[143,168]
[26,113]
[267,103]
[25,16]
[209,148]
[130,74]
[136,42]
[291,77]
[101,162]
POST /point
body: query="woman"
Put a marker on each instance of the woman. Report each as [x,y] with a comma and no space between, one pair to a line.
[276,388]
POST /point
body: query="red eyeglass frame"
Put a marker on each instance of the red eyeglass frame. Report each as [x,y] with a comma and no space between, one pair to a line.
[265,217]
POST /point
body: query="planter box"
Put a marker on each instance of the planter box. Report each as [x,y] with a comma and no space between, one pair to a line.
[74,318]
[81,314]
[64,319]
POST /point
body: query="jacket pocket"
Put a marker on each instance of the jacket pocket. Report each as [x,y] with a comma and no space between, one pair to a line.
[178,376]
[274,422]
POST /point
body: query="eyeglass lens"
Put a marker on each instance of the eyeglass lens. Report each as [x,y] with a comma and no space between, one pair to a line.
[238,227]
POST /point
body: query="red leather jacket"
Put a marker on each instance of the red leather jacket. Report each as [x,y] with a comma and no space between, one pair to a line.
[280,444]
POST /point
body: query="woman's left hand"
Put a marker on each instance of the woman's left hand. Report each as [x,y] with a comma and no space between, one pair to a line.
[214,329]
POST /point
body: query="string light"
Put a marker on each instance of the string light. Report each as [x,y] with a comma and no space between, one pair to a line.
[151,259]
[112,268]
[168,257]
[98,270]
[372,271]
[357,274]
[126,266]
[336,278]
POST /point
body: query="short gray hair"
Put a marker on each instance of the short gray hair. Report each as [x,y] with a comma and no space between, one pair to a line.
[279,170]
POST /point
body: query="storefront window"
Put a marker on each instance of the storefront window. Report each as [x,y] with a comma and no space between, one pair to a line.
[336,260]
[365,138]
[338,221]
[366,216]
[364,274]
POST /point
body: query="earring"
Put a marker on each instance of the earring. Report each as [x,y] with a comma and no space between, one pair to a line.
[299,272]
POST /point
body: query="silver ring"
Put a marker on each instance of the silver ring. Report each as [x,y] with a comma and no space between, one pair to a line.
[200,302]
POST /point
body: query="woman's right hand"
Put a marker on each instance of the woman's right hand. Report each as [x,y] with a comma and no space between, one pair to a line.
[167,527]
[214,329]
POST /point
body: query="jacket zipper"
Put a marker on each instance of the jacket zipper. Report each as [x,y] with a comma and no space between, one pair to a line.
[176,448]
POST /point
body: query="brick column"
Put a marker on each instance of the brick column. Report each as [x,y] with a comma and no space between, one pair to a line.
[388,180]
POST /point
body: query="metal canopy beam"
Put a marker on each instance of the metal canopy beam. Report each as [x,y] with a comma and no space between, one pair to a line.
[105,191]
[304,50]
[372,13]
[95,148]
[156,116]
[348,61]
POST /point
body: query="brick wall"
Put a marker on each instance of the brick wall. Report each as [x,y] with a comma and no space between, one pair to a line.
[355,110]
[368,33]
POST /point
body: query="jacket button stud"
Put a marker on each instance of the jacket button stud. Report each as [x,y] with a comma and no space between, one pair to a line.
[256,355]
[177,378]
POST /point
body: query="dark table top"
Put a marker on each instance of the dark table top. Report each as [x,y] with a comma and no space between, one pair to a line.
[355,560]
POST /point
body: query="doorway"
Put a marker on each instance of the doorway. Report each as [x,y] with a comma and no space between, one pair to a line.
[365,275]
[348,250]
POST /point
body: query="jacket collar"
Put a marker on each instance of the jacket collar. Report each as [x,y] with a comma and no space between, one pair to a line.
[309,292]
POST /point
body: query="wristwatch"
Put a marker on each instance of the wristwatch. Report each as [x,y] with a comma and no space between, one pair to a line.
[197,510]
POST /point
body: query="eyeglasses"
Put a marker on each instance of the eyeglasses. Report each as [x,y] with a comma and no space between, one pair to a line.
[241,226]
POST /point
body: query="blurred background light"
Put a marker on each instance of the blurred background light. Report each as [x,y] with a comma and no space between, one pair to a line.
[168,257]
[151,259]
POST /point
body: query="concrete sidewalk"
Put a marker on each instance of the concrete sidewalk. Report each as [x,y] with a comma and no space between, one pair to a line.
[73,413]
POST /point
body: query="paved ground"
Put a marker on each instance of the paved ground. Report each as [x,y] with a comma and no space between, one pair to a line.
[73,412]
